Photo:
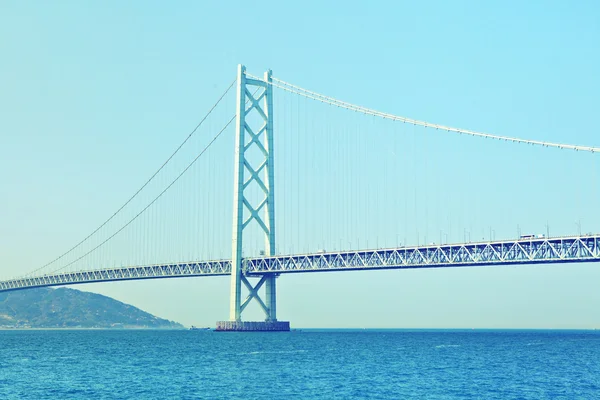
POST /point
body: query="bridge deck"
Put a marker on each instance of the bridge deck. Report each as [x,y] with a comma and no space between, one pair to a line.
[507,252]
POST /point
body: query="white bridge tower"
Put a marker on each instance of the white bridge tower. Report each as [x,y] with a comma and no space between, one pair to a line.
[254,135]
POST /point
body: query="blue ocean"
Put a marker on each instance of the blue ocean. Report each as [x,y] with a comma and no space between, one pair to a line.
[307,364]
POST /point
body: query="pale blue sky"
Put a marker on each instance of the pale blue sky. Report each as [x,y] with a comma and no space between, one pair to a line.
[94,97]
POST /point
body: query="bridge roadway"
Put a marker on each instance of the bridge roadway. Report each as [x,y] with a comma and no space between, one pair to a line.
[508,252]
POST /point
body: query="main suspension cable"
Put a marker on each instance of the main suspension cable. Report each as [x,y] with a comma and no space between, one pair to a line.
[153,201]
[349,106]
[85,239]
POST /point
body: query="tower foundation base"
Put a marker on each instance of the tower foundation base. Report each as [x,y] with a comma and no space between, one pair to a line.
[253,326]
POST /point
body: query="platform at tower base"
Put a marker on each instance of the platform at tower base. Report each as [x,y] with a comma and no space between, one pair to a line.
[253,326]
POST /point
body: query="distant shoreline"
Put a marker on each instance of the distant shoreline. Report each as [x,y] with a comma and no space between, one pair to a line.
[408,330]
[94,329]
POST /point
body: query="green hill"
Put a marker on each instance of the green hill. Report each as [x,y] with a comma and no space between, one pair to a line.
[69,308]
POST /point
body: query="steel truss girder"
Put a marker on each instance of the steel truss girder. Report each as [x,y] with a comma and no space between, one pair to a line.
[534,251]
[510,252]
[175,270]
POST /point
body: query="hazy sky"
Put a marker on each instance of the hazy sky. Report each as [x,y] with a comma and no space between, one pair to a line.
[94,98]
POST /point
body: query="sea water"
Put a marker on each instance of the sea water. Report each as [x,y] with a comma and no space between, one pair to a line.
[307,364]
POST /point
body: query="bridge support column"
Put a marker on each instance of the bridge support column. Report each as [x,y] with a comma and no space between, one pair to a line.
[255,170]
[271,297]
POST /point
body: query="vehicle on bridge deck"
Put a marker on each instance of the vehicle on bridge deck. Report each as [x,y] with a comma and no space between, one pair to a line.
[539,236]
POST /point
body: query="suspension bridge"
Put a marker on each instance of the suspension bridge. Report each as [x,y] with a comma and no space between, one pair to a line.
[161,221]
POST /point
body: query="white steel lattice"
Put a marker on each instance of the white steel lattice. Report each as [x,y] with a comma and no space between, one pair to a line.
[175,270]
[509,252]
[530,251]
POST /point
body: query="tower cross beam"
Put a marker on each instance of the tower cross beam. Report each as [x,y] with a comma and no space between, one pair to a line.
[253,293]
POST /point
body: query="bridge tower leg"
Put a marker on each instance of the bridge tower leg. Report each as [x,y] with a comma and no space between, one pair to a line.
[254,96]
